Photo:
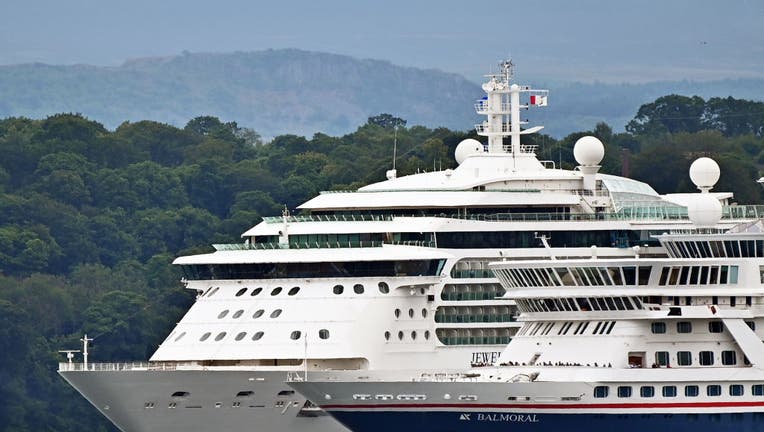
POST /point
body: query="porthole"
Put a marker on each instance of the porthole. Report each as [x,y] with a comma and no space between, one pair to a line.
[180,394]
[323,334]
[245,394]
[220,336]
[276,313]
[238,313]
[424,313]
[241,292]
[358,289]
[293,291]
[205,337]
[411,313]
[295,335]
[180,336]
[384,288]
[276,291]
[397,313]
[222,315]
[258,314]
[256,291]
[241,336]
[257,336]
[413,335]
[213,292]
[427,335]
[400,335]
[387,335]
[338,289]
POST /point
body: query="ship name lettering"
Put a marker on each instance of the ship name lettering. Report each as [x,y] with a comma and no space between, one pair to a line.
[512,418]
[485,357]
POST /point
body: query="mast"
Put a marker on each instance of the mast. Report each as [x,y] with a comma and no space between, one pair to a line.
[501,106]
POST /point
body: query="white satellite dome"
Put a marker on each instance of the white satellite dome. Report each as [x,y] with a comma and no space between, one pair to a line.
[467,148]
[704,172]
[704,210]
[588,151]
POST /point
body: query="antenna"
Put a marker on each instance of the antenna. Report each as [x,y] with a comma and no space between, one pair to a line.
[69,354]
[395,143]
[85,341]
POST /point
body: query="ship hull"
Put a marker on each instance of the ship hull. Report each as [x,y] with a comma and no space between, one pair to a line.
[142,401]
[524,421]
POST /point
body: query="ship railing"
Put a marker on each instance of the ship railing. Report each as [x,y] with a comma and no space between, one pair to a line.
[482,107]
[125,366]
[320,245]
[641,213]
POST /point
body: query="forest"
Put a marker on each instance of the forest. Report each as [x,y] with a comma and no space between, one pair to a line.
[91,218]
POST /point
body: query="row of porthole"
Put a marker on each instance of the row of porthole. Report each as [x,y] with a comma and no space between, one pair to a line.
[384,288]
[411,313]
[256,315]
[401,335]
[275,291]
[322,334]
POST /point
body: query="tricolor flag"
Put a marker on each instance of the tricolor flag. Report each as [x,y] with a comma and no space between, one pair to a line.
[538,100]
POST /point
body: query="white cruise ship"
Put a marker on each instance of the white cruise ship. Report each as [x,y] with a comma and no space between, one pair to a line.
[394,276]
[628,344]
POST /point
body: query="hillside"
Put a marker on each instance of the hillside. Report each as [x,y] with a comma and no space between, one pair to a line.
[299,92]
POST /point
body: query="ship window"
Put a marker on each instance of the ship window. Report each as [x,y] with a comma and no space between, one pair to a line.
[669,391]
[258,314]
[220,336]
[413,335]
[387,335]
[397,313]
[180,394]
[276,313]
[647,391]
[691,391]
[715,327]
[286,393]
[383,288]
[424,313]
[241,292]
[358,289]
[757,389]
[238,313]
[323,334]
[338,289]
[400,335]
[736,390]
[257,336]
[684,358]
[223,314]
[662,358]
[205,337]
[245,393]
[427,335]
[276,291]
[293,291]
[601,391]
[180,336]
[241,336]
[411,313]
[729,358]
[658,327]
[684,327]
[256,291]
[714,390]
[295,335]
[213,292]
[624,391]
[706,358]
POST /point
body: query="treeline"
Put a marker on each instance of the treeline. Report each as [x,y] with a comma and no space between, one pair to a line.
[90,219]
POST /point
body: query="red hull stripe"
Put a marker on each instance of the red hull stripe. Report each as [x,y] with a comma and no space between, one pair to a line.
[557,406]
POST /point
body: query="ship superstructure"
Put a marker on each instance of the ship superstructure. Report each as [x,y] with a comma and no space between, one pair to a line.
[393,276]
[632,344]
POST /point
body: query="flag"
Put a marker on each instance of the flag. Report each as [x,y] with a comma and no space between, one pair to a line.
[538,100]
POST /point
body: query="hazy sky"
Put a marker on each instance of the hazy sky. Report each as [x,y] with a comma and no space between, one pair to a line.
[610,41]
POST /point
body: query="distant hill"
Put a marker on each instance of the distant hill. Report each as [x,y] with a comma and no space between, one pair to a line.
[291,91]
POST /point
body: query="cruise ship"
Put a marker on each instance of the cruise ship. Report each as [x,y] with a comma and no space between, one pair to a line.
[630,344]
[391,277]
